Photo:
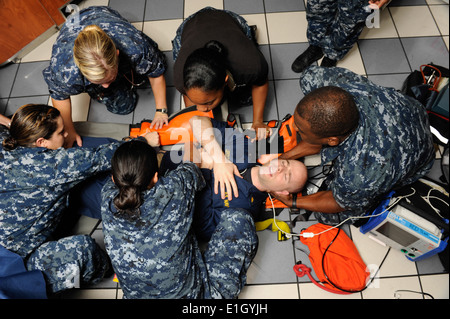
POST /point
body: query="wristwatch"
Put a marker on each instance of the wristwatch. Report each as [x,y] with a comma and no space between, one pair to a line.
[162,111]
[294,200]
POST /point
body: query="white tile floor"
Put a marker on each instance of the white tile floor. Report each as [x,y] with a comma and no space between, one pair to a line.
[411,32]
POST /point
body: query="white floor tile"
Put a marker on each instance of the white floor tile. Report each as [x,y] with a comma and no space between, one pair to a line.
[311,291]
[388,288]
[43,52]
[260,21]
[138,25]
[414,21]
[385,28]
[287,27]
[440,14]
[436,285]
[287,291]
[162,32]
[80,106]
[192,6]
[90,3]
[353,61]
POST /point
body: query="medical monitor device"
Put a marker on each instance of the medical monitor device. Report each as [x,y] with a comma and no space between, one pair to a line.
[407,228]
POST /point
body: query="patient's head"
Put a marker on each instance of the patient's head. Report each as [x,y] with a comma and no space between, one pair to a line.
[280,176]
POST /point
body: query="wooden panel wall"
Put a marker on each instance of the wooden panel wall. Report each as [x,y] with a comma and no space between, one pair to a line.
[23,21]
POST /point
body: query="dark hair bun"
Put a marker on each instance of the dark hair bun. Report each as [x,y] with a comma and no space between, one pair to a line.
[10,143]
[216,46]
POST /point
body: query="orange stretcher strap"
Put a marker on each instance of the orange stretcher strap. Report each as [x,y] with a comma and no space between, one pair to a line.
[177,131]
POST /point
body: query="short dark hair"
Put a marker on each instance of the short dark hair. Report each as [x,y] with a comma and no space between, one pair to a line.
[330,110]
[133,164]
[206,68]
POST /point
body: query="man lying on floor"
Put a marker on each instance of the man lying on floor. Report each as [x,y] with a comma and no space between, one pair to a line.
[229,168]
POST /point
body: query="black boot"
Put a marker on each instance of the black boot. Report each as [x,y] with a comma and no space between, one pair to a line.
[327,62]
[312,54]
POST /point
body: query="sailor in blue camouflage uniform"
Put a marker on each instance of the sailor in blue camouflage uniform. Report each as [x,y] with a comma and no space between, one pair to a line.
[157,255]
[335,33]
[333,28]
[34,188]
[140,60]
[390,147]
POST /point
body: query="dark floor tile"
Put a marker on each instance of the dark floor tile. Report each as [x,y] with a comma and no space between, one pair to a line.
[424,50]
[283,55]
[288,94]
[391,80]
[132,10]
[29,80]
[7,76]
[244,7]
[164,10]
[99,113]
[284,5]
[15,103]
[383,56]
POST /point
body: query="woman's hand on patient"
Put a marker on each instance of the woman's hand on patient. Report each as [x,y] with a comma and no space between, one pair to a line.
[224,178]
[153,139]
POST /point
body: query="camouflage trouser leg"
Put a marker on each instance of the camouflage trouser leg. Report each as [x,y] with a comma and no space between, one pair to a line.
[335,25]
[70,262]
[230,252]
[120,101]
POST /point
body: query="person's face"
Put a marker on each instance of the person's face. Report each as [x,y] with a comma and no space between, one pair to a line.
[303,128]
[281,175]
[205,101]
[57,139]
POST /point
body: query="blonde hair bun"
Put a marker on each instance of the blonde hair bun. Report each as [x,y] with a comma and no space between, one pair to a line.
[95,53]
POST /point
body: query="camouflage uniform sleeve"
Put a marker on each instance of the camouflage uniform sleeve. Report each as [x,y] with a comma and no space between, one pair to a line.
[62,84]
[151,61]
[358,196]
[315,77]
[56,167]
[188,176]
[78,162]
[176,190]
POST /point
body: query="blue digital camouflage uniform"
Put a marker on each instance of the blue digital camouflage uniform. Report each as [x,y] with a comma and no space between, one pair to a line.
[335,25]
[34,187]
[392,146]
[137,52]
[157,256]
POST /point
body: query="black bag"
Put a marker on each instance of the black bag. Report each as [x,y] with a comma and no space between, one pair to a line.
[422,84]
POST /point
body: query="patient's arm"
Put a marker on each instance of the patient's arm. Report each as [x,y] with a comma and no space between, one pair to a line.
[224,170]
